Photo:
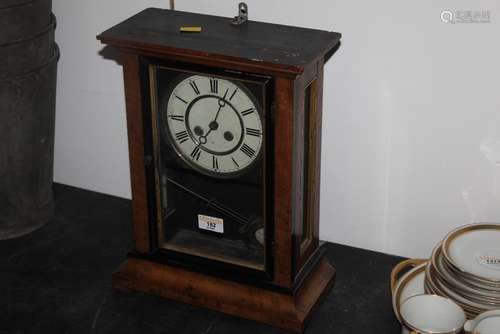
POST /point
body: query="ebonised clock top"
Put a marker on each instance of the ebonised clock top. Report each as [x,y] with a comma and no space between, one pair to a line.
[283,48]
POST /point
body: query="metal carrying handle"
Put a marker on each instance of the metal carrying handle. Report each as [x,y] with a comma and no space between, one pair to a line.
[403,267]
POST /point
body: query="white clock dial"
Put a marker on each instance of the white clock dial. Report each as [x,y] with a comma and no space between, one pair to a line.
[214,124]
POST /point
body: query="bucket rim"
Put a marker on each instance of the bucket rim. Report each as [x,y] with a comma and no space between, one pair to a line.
[51,26]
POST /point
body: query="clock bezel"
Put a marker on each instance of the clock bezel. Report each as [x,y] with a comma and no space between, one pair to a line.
[166,133]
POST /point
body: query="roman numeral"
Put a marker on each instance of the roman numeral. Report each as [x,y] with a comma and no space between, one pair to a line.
[180,98]
[250,152]
[179,118]
[214,86]
[235,162]
[215,162]
[247,112]
[253,132]
[182,136]
[234,93]
[195,87]
[196,153]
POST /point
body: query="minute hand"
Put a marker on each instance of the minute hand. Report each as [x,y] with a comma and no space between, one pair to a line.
[222,104]
[213,125]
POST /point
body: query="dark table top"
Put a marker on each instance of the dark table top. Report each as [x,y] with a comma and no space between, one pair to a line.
[57,280]
[256,42]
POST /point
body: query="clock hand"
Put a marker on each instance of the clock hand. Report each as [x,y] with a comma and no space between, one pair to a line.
[212,203]
[213,125]
[222,104]
[203,139]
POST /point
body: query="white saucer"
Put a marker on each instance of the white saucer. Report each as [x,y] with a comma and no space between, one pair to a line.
[474,250]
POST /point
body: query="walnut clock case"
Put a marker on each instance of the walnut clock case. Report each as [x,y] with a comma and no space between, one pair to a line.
[224,131]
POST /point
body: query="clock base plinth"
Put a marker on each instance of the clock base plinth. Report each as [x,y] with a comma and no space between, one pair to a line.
[287,311]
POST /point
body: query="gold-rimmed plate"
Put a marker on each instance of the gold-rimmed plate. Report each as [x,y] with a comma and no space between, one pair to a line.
[450,279]
[470,280]
[474,251]
[472,308]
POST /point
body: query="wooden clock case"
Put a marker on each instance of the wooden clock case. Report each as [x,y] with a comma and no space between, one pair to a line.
[294,59]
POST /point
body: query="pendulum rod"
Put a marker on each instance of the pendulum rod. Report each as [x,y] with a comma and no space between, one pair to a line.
[212,203]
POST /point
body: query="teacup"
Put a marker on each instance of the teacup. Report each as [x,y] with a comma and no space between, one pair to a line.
[431,314]
[485,323]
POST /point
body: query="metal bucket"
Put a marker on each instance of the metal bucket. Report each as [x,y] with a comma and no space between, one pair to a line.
[21,18]
[27,120]
[31,52]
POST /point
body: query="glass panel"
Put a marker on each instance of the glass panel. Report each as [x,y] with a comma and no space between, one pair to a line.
[210,152]
[309,145]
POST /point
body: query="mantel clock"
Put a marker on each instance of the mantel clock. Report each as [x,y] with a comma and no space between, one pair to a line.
[224,131]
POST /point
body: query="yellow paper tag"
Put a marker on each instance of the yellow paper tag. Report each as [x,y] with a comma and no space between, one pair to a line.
[190,29]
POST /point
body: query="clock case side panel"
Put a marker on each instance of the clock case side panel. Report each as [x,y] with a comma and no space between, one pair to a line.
[307,165]
[187,261]
[141,210]
[297,150]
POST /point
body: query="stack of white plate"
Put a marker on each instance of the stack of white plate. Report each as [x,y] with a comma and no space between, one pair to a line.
[465,267]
